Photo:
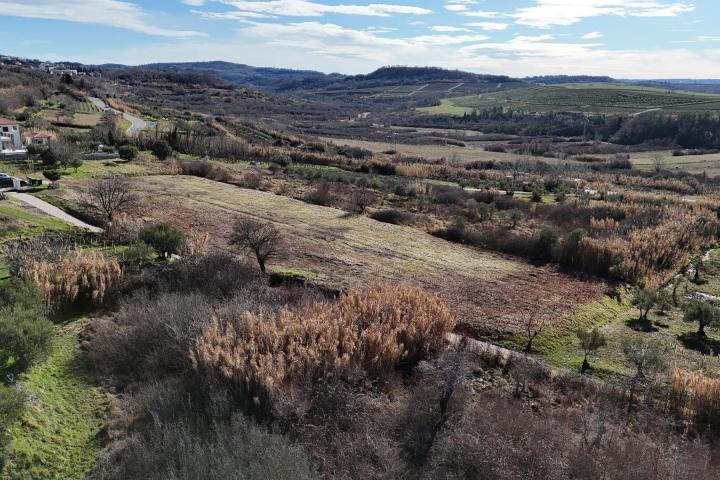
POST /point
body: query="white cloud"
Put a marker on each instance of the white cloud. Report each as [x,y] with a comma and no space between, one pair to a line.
[488,26]
[592,36]
[449,29]
[549,13]
[483,14]
[194,3]
[112,13]
[304,8]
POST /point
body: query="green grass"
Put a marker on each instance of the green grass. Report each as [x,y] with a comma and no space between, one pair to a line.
[60,432]
[588,98]
[32,223]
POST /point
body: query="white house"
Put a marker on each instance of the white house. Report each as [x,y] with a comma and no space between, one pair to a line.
[10,138]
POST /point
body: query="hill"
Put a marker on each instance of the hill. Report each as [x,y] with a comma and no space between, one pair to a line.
[608,98]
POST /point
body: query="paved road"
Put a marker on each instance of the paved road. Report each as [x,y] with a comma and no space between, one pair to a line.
[137,124]
[52,211]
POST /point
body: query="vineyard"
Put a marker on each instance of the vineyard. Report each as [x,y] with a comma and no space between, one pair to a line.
[590,98]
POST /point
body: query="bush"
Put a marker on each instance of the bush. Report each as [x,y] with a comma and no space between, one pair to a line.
[161,149]
[25,331]
[128,152]
[235,449]
[165,239]
[138,254]
[545,243]
[395,217]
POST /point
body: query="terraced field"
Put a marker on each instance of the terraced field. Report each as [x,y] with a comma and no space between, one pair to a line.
[493,294]
[589,98]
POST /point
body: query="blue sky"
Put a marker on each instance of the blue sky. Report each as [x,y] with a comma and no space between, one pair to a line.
[625,39]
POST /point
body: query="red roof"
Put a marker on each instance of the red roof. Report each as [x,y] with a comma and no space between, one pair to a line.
[5,121]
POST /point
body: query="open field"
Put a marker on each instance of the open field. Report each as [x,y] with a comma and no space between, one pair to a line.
[492,293]
[697,164]
[471,152]
[588,98]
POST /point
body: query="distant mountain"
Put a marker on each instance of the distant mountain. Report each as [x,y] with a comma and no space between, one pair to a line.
[261,78]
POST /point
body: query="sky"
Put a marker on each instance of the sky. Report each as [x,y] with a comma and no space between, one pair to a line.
[620,38]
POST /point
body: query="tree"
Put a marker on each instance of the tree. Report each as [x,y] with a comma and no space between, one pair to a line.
[515,217]
[676,282]
[75,162]
[647,356]
[702,313]
[644,299]
[52,175]
[165,239]
[361,200]
[659,162]
[698,265]
[161,149]
[262,239]
[128,152]
[590,340]
[545,243]
[537,193]
[111,195]
[533,328]
[663,301]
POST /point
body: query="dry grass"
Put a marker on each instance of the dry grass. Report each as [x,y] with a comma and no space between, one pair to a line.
[78,276]
[370,331]
[696,396]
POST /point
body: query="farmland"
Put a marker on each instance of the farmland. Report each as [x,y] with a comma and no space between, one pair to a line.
[584,98]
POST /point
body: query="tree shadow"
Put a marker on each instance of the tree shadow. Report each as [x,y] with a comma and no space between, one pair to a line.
[702,344]
[641,325]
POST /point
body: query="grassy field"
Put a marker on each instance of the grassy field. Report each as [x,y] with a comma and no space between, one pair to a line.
[60,432]
[492,293]
[471,152]
[696,164]
[589,98]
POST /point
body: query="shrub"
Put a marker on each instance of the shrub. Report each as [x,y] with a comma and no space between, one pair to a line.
[396,217]
[165,239]
[321,195]
[138,254]
[161,149]
[702,313]
[545,243]
[371,331]
[128,152]
[235,448]
[25,331]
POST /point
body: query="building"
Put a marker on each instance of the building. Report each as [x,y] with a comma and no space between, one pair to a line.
[10,139]
[37,138]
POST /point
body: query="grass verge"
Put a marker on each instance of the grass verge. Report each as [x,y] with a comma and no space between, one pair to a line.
[60,432]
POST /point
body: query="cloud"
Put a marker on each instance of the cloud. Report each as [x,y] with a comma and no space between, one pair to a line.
[449,29]
[549,13]
[592,36]
[112,13]
[304,8]
[194,3]
[488,26]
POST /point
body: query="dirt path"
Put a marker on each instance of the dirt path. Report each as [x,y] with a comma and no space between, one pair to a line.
[53,211]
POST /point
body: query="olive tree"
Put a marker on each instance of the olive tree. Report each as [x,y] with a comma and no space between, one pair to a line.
[590,341]
[702,313]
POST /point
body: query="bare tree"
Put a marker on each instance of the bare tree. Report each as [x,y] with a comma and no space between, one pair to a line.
[658,162]
[533,328]
[109,196]
[262,239]
[361,200]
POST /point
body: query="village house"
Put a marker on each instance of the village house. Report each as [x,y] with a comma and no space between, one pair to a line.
[37,138]
[10,138]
